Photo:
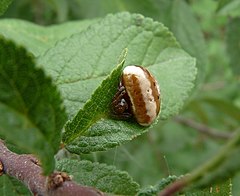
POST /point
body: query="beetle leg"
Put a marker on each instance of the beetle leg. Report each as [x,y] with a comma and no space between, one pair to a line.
[119,96]
[120,107]
[119,104]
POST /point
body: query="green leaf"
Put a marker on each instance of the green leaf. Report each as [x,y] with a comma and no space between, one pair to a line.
[4,5]
[107,133]
[95,8]
[38,39]
[214,109]
[98,105]
[104,134]
[12,187]
[105,178]
[222,3]
[153,190]
[229,8]
[224,107]
[175,14]
[188,32]
[79,64]
[31,110]
[233,46]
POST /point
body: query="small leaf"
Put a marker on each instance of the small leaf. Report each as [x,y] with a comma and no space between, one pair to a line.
[105,178]
[224,107]
[79,64]
[233,44]
[98,105]
[153,190]
[31,113]
[229,8]
[222,4]
[38,39]
[4,5]
[12,187]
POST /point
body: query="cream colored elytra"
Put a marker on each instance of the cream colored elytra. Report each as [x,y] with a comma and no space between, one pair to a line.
[141,86]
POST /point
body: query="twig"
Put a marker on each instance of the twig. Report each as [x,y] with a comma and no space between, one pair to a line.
[211,132]
[26,169]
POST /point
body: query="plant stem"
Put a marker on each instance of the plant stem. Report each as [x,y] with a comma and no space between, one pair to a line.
[26,169]
[200,171]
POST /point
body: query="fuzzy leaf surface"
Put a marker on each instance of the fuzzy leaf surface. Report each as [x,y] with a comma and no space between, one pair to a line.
[177,15]
[154,190]
[101,176]
[79,64]
[37,39]
[98,105]
[31,110]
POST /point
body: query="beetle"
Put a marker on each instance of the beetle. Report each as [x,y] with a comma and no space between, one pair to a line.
[138,96]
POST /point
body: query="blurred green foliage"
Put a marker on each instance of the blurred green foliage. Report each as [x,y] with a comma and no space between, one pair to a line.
[4,5]
[210,32]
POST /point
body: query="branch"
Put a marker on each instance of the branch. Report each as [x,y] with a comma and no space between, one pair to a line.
[26,169]
[211,132]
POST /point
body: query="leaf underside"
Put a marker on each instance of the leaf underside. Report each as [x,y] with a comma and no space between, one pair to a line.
[31,110]
[38,39]
[105,178]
